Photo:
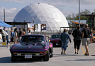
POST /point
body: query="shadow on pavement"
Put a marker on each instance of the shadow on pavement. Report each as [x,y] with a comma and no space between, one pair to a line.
[92,55]
[82,60]
[60,55]
[85,60]
[8,60]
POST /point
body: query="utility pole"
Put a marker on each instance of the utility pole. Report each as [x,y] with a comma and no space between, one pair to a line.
[79,12]
[4,15]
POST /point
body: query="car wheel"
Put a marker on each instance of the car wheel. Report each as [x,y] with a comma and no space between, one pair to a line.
[13,58]
[46,57]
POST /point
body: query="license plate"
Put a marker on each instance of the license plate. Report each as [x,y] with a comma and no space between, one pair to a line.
[56,44]
[19,54]
[28,56]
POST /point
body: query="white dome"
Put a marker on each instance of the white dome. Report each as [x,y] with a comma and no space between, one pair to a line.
[44,14]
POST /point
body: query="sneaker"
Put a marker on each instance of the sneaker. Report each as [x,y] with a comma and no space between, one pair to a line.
[75,52]
[86,54]
[61,52]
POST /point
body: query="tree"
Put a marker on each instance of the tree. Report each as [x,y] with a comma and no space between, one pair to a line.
[76,17]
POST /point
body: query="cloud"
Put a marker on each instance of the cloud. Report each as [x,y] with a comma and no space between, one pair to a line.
[9,13]
[72,6]
[67,7]
[18,1]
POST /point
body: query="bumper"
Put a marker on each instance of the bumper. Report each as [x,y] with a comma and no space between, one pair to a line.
[24,54]
[57,43]
[28,54]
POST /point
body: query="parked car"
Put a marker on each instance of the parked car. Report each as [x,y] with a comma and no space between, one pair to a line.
[32,46]
[55,39]
[93,38]
[1,40]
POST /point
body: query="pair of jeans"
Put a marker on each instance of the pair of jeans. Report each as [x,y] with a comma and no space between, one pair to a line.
[64,45]
[7,37]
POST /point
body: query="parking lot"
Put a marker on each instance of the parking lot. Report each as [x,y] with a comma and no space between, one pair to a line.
[70,59]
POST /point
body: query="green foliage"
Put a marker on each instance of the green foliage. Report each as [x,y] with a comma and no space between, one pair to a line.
[76,17]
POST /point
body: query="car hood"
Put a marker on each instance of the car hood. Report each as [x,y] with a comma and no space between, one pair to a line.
[55,39]
[28,47]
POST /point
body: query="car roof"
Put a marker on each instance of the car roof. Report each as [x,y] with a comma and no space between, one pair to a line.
[33,35]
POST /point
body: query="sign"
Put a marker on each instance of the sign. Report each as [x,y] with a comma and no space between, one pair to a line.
[1,27]
[43,26]
[31,27]
[37,27]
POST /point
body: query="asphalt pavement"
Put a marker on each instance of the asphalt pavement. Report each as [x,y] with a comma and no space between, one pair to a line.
[70,59]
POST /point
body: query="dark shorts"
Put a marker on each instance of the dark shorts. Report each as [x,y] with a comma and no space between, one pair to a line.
[77,43]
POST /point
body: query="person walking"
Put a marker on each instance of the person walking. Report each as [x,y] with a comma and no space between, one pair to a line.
[77,34]
[86,38]
[64,39]
[19,34]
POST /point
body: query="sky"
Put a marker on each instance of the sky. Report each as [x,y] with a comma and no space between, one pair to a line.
[67,7]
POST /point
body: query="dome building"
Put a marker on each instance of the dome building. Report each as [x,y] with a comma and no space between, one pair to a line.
[42,13]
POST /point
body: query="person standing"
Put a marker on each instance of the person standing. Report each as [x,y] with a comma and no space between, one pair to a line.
[3,35]
[29,32]
[12,34]
[77,34]
[86,38]
[15,35]
[19,34]
[64,39]
[7,38]
[23,33]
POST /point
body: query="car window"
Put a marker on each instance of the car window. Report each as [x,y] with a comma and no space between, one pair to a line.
[55,36]
[32,39]
[93,34]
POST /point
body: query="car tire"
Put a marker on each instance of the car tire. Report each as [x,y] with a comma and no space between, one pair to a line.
[13,58]
[46,57]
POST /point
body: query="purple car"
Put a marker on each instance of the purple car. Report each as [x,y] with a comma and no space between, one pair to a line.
[32,46]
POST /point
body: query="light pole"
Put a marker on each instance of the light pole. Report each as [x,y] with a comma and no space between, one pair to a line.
[79,12]
[33,21]
[34,24]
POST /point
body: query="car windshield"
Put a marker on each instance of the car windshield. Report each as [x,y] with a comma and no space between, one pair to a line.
[55,36]
[32,39]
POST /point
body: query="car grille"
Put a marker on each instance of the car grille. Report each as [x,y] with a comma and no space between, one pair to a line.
[33,54]
[28,53]
[59,42]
